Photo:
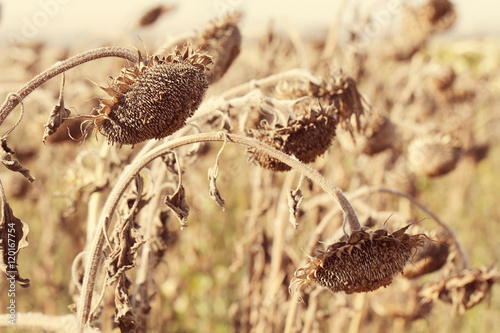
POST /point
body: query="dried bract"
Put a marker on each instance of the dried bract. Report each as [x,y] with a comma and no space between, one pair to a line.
[153,98]
[434,155]
[13,165]
[464,289]
[306,137]
[364,262]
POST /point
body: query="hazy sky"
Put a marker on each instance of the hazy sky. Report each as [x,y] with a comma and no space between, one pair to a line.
[69,20]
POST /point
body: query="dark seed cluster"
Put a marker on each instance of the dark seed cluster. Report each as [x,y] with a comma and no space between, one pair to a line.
[222,41]
[364,262]
[154,98]
[305,137]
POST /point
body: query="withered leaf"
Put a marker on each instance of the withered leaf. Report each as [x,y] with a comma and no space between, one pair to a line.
[57,116]
[13,238]
[126,241]
[177,203]
[213,173]
[9,163]
[124,317]
[295,198]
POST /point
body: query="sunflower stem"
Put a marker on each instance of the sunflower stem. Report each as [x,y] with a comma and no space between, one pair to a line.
[129,173]
[59,67]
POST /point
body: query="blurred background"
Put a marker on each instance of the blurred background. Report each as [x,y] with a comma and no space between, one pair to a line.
[217,274]
[61,21]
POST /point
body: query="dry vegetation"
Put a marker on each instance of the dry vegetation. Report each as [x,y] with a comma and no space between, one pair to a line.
[405,123]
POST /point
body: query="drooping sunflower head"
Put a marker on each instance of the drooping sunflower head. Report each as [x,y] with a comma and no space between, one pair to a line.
[434,155]
[221,40]
[364,262]
[307,136]
[153,98]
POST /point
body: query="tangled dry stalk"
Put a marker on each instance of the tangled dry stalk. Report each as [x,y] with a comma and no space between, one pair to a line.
[308,116]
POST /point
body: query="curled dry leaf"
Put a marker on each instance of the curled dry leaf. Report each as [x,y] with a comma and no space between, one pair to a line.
[13,165]
[57,116]
[124,317]
[295,198]
[126,241]
[13,238]
[177,201]
[213,173]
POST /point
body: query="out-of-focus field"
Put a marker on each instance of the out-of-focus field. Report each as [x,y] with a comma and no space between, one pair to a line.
[221,274]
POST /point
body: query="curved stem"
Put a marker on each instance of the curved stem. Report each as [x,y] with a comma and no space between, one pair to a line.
[13,100]
[128,174]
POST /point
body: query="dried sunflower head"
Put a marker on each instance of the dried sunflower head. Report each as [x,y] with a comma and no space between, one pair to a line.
[464,289]
[153,98]
[364,262]
[222,41]
[434,155]
[378,134]
[429,258]
[440,15]
[306,137]
[338,90]
[418,23]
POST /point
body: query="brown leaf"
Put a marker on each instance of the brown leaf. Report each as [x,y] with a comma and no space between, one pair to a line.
[213,173]
[127,241]
[124,317]
[295,198]
[177,203]
[13,237]
[13,165]
[57,116]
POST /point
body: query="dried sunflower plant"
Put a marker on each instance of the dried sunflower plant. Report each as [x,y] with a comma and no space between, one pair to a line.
[306,119]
